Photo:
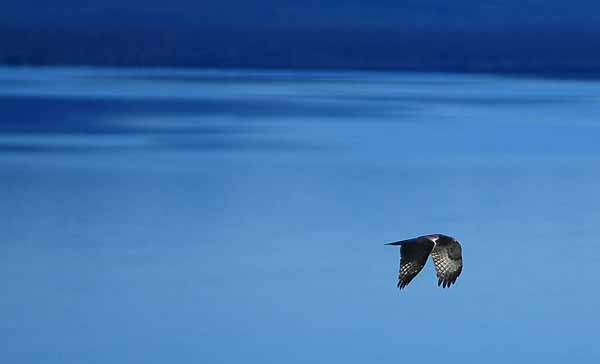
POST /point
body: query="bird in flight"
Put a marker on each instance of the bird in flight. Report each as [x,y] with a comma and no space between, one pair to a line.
[445,252]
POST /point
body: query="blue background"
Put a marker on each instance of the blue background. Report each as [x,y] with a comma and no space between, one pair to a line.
[226,216]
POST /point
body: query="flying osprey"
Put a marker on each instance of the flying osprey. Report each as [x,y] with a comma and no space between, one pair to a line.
[445,251]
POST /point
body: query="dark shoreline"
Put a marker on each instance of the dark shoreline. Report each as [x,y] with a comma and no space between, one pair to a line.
[556,54]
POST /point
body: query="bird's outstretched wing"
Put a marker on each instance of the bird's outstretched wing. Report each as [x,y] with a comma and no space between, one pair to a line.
[447,258]
[413,256]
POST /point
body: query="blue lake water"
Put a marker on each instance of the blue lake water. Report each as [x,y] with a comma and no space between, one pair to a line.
[239,216]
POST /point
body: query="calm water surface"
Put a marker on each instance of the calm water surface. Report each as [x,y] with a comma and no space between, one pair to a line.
[153,216]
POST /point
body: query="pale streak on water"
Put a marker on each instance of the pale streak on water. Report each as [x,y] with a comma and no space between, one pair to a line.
[225,216]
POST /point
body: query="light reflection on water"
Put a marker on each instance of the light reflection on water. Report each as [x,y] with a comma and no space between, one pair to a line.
[240,215]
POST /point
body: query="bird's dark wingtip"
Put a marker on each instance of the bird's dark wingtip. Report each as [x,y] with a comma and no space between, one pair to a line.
[395,243]
[445,283]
